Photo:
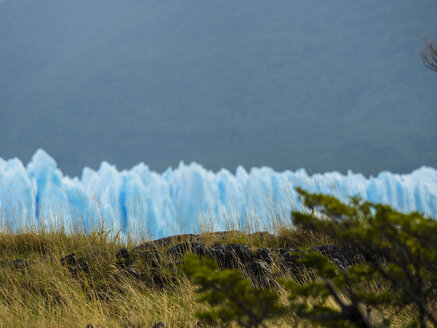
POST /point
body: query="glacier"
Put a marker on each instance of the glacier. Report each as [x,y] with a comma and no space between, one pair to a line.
[141,203]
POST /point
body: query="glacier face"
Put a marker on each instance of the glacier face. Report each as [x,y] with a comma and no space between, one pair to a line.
[140,202]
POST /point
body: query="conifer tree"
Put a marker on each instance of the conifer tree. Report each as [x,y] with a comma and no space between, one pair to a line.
[403,256]
[231,297]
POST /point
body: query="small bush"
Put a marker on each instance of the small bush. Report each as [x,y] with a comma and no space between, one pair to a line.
[230,295]
[400,252]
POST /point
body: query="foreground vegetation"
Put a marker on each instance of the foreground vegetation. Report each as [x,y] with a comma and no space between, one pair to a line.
[337,265]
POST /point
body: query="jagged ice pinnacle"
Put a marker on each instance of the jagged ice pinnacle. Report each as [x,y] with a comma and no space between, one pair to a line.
[141,202]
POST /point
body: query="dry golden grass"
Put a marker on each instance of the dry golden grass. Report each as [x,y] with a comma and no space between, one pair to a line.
[42,293]
[36,290]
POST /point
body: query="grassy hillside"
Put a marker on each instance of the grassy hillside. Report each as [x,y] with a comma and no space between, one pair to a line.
[325,86]
[40,286]
[38,289]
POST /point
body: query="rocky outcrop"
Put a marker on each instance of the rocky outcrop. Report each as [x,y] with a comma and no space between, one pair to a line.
[195,247]
[156,263]
[231,256]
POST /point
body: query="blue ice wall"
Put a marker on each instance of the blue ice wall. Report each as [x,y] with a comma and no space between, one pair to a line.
[142,202]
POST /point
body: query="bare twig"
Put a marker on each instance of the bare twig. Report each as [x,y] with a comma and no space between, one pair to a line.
[429,55]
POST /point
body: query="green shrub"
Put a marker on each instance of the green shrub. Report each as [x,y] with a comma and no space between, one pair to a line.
[230,295]
[404,249]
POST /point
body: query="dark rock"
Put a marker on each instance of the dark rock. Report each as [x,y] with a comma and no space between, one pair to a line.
[147,253]
[231,256]
[195,247]
[258,268]
[124,259]
[342,256]
[160,325]
[70,259]
[259,272]
[103,295]
[165,278]
[264,254]
[151,258]
[83,264]
[74,265]
[218,253]
[148,246]
[21,264]
[134,273]
[173,267]
[288,257]
[288,260]
[156,278]
[239,251]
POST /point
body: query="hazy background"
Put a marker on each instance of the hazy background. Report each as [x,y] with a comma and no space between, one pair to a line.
[323,85]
